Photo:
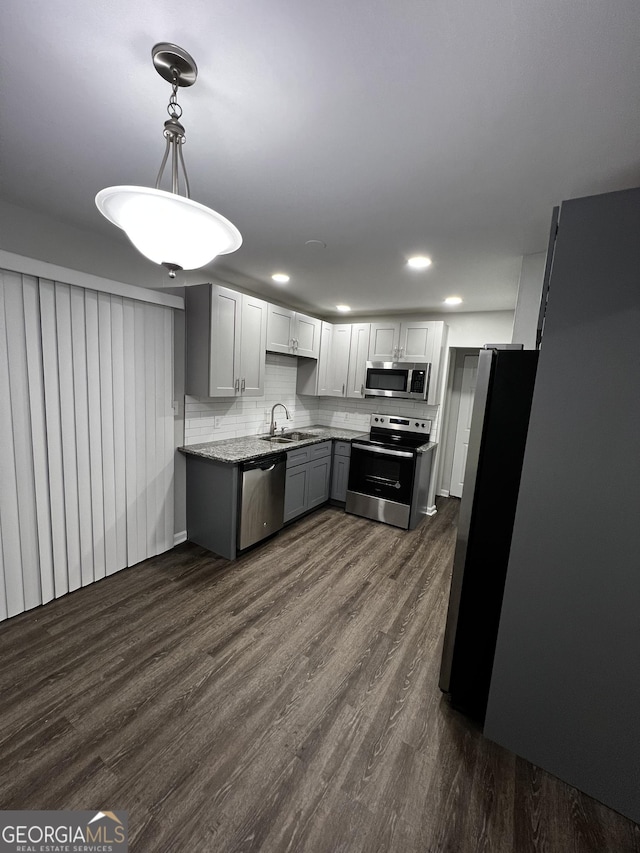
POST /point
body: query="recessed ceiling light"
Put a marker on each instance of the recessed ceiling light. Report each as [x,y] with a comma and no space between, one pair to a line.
[452,300]
[343,308]
[280,277]
[419,262]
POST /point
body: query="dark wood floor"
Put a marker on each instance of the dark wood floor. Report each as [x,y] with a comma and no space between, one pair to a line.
[284,702]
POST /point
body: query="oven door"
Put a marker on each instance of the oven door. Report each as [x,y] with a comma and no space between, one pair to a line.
[381,483]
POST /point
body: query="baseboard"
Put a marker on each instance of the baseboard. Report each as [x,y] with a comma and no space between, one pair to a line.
[444,493]
[180,537]
[431,510]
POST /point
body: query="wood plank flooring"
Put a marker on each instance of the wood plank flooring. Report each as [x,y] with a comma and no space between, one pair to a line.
[284,702]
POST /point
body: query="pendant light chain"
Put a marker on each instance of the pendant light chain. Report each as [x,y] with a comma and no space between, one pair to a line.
[173,104]
[175,136]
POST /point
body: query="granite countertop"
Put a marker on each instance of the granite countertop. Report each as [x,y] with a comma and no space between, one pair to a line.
[236,450]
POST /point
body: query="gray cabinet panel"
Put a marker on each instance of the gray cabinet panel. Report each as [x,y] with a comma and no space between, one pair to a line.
[338,374]
[226,342]
[340,478]
[319,477]
[280,329]
[212,505]
[307,336]
[296,492]
[298,457]
[342,448]
[318,450]
[224,353]
[358,359]
[308,479]
[252,346]
[293,333]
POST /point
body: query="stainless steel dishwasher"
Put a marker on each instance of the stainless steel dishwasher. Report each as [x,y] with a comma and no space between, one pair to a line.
[261,501]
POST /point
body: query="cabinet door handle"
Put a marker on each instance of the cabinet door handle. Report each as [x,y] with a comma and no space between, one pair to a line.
[343,389]
[242,387]
[362,390]
[237,385]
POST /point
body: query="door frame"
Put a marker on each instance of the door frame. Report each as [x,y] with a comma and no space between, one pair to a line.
[450,417]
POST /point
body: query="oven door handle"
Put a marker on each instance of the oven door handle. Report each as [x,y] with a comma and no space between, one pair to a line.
[383,450]
[385,481]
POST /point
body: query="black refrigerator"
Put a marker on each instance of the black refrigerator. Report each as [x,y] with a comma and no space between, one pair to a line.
[499,423]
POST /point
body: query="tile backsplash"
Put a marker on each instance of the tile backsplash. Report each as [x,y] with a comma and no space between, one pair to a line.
[229,417]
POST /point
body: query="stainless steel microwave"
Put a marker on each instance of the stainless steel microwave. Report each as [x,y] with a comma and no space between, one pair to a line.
[404,379]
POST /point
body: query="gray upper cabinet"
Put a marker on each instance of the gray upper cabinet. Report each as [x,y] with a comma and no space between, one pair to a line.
[410,340]
[226,342]
[253,338]
[384,341]
[307,335]
[293,333]
[358,353]
[341,367]
[280,329]
[314,376]
[339,360]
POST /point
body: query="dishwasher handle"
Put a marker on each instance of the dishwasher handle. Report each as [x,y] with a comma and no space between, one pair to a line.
[264,464]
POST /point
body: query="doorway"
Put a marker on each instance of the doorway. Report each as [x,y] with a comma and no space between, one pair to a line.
[463,426]
[462,384]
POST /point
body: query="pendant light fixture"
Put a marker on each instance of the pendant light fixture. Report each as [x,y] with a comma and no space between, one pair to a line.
[166,227]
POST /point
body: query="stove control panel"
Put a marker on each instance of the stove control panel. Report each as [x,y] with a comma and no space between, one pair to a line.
[396,423]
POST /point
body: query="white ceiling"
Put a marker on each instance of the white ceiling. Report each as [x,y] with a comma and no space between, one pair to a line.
[441,127]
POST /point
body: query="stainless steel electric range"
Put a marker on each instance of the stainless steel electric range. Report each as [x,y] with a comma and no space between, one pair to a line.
[388,477]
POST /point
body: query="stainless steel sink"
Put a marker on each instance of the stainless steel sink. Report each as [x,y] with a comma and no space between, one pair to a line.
[299,436]
[288,437]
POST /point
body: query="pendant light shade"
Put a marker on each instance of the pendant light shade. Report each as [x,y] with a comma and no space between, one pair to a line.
[166,227]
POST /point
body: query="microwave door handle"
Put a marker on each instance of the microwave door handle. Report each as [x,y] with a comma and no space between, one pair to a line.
[382,450]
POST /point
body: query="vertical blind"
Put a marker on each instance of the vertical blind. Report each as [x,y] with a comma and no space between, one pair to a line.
[86,437]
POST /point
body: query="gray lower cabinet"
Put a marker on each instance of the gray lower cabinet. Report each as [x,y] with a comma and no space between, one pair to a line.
[307,480]
[212,505]
[340,475]
[319,480]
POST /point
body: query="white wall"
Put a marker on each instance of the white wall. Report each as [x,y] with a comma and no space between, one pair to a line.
[525,321]
[479,328]
[35,235]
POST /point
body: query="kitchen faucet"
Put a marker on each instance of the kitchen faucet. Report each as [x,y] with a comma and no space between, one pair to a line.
[272,430]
